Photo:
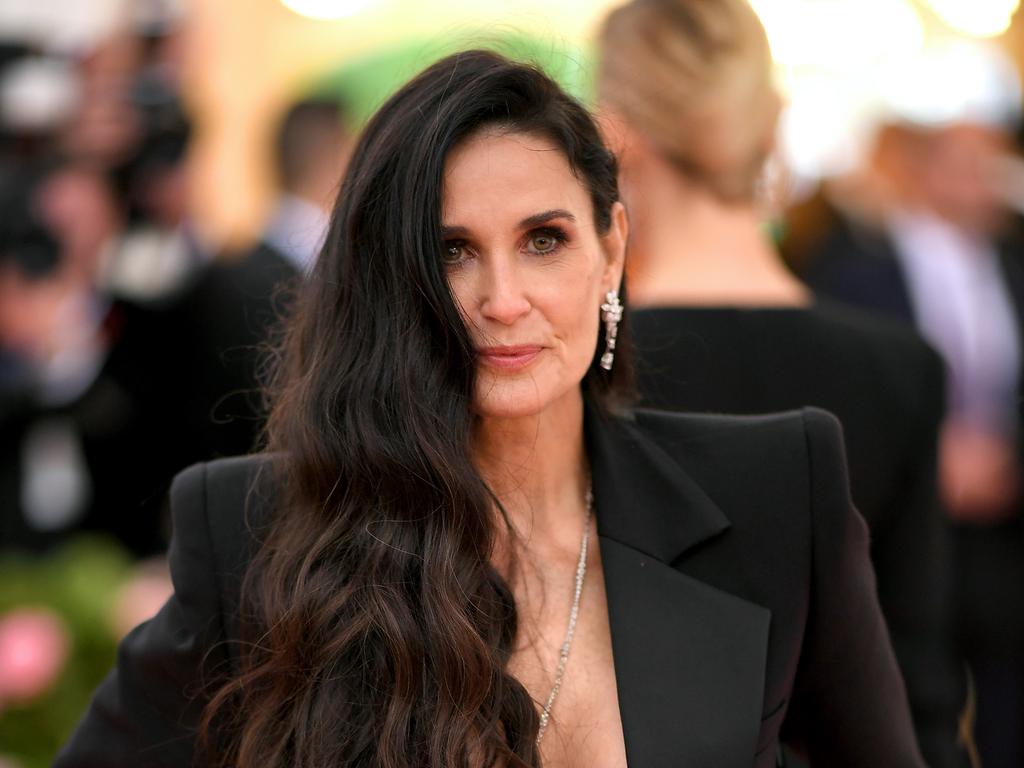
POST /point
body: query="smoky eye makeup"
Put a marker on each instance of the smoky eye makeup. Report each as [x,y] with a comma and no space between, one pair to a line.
[453,252]
[542,239]
[546,240]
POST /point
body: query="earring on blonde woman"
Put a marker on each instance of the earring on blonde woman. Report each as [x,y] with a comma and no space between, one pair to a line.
[611,313]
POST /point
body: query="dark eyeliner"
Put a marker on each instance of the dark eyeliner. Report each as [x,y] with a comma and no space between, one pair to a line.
[557,234]
[461,245]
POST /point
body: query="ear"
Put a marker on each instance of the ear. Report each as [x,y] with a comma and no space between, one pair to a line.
[613,242]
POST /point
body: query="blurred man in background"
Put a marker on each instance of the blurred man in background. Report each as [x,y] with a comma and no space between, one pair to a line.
[127,349]
[311,150]
[226,318]
[93,153]
[927,237]
[79,369]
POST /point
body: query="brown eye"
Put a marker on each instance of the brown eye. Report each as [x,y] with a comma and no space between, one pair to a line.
[454,253]
[543,243]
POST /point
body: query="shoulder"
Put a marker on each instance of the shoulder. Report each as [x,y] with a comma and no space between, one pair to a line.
[256,280]
[780,480]
[828,333]
[893,359]
[221,486]
[219,507]
[747,438]
[875,334]
[755,468]
[263,267]
[228,479]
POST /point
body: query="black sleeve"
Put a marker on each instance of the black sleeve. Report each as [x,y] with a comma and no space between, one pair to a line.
[146,711]
[849,704]
[912,552]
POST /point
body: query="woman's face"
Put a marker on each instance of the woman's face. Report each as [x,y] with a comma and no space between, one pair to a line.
[527,267]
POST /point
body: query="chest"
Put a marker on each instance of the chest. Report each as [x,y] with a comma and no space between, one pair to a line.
[585,727]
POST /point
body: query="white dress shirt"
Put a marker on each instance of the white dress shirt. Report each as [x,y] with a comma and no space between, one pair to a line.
[962,306]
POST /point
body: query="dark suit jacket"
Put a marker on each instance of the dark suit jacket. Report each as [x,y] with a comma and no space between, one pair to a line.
[223,323]
[859,266]
[179,385]
[740,597]
[114,420]
[886,386]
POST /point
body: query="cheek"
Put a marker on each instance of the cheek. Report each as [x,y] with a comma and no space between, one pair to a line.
[462,294]
[576,316]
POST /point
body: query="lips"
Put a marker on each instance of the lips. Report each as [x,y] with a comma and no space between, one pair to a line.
[509,358]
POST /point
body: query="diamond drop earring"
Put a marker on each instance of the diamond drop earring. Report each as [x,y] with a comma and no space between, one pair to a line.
[611,313]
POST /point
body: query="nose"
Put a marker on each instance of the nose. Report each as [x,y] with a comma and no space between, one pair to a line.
[503,296]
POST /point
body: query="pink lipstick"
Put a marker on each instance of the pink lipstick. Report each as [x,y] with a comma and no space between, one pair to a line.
[509,358]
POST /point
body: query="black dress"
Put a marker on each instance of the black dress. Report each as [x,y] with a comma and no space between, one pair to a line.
[886,386]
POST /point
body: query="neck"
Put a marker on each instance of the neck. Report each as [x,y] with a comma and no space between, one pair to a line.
[691,248]
[536,466]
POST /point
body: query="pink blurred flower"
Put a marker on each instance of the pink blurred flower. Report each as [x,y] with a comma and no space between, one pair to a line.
[33,648]
[141,596]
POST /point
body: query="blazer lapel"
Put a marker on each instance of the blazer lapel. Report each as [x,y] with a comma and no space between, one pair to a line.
[689,658]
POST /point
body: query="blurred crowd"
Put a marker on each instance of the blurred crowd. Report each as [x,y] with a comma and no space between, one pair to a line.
[929,232]
[130,347]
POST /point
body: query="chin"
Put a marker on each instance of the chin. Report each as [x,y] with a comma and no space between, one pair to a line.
[516,399]
[507,406]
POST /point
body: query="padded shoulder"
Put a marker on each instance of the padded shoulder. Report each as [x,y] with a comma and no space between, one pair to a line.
[742,462]
[737,435]
[231,498]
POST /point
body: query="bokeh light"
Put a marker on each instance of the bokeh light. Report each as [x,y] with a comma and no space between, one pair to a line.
[840,35]
[830,56]
[951,81]
[327,9]
[979,18]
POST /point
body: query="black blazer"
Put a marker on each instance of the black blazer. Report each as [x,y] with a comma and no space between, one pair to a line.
[740,598]
[886,386]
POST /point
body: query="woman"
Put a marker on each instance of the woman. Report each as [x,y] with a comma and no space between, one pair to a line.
[463,548]
[724,327]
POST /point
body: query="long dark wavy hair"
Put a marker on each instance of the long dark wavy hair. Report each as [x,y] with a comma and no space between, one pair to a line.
[375,630]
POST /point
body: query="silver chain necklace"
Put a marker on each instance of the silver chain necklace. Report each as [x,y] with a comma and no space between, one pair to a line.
[563,651]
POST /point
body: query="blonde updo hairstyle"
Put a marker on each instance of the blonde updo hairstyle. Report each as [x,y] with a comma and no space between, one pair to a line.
[694,78]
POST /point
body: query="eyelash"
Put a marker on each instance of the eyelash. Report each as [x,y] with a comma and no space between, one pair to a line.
[555,233]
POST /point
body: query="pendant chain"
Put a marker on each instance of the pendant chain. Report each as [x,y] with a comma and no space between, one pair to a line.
[563,651]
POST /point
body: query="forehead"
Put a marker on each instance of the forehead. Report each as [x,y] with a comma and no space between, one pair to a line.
[500,174]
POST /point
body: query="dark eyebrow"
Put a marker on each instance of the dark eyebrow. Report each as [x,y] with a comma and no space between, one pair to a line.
[528,223]
[453,231]
[539,218]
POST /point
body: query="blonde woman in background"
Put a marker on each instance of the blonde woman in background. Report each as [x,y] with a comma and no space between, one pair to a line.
[688,100]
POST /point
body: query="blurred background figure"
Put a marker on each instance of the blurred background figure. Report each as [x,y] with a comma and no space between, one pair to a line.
[94,237]
[77,368]
[926,234]
[721,325]
[227,314]
[311,151]
[131,343]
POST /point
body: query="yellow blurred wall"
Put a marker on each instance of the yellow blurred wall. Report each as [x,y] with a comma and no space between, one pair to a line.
[245,58]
